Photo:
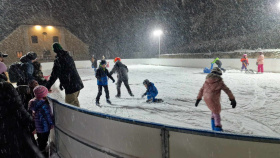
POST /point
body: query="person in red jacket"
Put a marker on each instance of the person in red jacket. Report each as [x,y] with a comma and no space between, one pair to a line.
[245,62]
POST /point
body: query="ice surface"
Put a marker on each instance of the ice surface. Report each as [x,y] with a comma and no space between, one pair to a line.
[257,97]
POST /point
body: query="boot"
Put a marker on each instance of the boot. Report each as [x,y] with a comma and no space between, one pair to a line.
[131,94]
[97,103]
[218,128]
[212,123]
[118,96]
[108,101]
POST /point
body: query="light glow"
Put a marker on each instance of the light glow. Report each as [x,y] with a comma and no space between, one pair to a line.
[158,32]
[49,27]
[38,27]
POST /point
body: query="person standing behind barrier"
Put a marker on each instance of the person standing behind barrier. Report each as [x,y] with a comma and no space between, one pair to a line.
[94,63]
[260,62]
[122,71]
[211,91]
[219,63]
[38,74]
[3,67]
[16,126]
[42,115]
[27,68]
[64,68]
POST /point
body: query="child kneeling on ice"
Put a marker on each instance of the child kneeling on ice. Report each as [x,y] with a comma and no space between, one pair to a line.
[102,81]
[151,92]
[211,91]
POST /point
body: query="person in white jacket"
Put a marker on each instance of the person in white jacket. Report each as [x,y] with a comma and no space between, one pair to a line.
[260,62]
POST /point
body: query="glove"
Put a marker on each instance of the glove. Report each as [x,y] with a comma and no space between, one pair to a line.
[197,102]
[61,87]
[113,80]
[143,95]
[233,103]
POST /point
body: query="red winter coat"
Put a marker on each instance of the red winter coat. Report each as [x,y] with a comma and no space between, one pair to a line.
[211,91]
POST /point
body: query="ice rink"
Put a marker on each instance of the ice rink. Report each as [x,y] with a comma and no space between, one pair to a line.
[257,97]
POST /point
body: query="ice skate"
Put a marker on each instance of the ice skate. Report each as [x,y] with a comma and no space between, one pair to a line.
[217,128]
[97,103]
[118,96]
[108,101]
[149,100]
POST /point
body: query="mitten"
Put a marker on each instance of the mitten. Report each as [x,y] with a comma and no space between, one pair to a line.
[233,103]
[197,102]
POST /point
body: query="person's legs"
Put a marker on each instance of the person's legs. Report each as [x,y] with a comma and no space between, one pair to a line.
[72,99]
[119,83]
[107,92]
[128,87]
[99,93]
[42,140]
[259,67]
[217,119]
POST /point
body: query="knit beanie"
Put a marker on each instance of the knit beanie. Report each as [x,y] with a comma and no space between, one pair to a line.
[40,92]
[103,62]
[216,71]
[57,47]
[3,67]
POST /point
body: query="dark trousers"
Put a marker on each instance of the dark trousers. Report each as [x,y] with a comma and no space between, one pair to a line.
[100,92]
[119,83]
[42,140]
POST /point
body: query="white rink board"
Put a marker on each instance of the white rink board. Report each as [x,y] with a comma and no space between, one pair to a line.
[82,133]
[270,65]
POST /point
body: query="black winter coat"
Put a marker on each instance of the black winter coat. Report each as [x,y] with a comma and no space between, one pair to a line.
[16,125]
[28,70]
[121,70]
[65,69]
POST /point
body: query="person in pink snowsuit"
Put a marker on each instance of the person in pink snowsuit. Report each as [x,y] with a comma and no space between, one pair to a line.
[260,62]
[211,91]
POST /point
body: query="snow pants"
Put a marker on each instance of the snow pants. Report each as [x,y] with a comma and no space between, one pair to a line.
[100,92]
[260,68]
[42,140]
[119,83]
[220,66]
[152,96]
[217,119]
[73,99]
[244,67]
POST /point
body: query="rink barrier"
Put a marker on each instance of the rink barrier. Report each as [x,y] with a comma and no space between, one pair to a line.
[170,142]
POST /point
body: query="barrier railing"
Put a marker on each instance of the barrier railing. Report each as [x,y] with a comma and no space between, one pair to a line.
[83,133]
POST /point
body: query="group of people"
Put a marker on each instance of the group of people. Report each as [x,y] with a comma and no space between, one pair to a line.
[25,110]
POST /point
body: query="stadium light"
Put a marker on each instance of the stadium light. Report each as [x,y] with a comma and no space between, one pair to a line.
[158,33]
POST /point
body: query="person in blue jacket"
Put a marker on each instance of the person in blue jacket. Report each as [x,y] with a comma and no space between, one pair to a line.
[151,92]
[102,81]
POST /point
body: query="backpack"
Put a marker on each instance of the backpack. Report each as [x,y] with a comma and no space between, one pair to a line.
[15,72]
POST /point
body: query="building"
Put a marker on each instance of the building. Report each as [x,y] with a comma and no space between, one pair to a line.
[39,39]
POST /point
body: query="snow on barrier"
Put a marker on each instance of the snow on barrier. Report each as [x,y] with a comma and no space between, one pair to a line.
[83,133]
[270,65]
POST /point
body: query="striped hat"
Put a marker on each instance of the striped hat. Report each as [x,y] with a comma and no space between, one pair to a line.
[40,92]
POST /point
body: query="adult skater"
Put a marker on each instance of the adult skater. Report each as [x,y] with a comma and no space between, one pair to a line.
[245,62]
[102,81]
[219,63]
[94,63]
[211,91]
[151,92]
[64,68]
[122,76]
[260,62]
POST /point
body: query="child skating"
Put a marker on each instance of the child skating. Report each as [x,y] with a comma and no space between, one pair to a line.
[219,64]
[102,75]
[151,92]
[211,91]
[245,62]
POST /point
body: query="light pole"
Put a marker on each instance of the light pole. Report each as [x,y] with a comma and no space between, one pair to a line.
[158,33]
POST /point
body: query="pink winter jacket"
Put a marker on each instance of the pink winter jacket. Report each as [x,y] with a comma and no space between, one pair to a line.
[211,91]
[261,59]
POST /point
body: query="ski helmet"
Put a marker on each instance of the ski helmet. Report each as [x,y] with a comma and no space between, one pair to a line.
[31,55]
[217,71]
[146,82]
[244,55]
[103,62]
[117,59]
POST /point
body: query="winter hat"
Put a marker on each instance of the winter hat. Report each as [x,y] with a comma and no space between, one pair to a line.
[217,71]
[103,62]
[3,55]
[244,55]
[3,67]
[146,82]
[31,55]
[40,92]
[57,47]
[117,59]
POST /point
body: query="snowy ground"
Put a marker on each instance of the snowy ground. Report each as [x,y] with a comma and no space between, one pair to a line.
[257,97]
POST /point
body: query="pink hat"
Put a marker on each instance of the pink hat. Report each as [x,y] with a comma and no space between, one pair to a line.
[244,55]
[3,67]
[40,92]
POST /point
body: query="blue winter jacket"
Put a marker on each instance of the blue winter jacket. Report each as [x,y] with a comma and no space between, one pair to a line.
[101,75]
[152,90]
[42,115]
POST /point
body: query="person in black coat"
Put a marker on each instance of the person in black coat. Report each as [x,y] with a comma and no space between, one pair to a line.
[64,68]
[16,126]
[38,74]
[122,71]
[27,67]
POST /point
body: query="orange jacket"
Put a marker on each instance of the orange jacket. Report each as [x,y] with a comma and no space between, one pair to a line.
[244,60]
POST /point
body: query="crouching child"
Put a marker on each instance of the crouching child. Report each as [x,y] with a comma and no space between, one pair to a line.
[151,92]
